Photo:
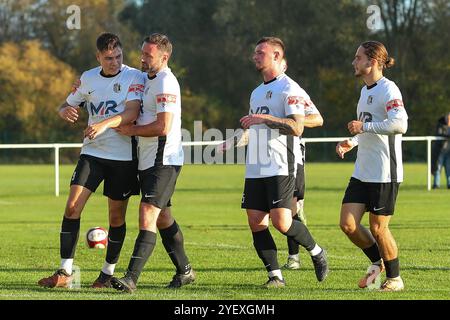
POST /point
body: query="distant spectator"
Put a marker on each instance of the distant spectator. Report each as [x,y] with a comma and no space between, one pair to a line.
[440,153]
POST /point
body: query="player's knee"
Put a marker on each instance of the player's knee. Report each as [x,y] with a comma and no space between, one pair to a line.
[73,210]
[164,221]
[256,225]
[348,228]
[116,220]
[377,231]
[281,226]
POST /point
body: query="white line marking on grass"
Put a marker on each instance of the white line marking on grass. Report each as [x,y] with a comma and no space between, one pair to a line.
[6,202]
[216,245]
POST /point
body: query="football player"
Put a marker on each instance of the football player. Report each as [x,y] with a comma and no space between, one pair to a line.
[111,94]
[381,121]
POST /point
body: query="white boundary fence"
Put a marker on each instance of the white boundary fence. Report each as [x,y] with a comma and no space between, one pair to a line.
[58,146]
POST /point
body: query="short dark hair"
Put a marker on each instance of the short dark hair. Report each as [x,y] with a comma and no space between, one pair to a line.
[162,42]
[108,41]
[274,41]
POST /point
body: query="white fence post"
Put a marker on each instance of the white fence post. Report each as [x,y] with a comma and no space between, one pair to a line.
[429,163]
[57,170]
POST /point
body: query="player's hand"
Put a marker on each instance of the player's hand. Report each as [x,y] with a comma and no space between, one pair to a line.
[253,119]
[355,127]
[343,147]
[225,146]
[94,130]
[69,113]
[125,129]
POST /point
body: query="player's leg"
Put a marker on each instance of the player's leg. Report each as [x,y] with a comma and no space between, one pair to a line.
[116,237]
[437,173]
[280,191]
[379,226]
[293,260]
[447,168]
[350,223]
[87,176]
[120,183]
[265,246]
[298,232]
[382,208]
[354,205]
[173,241]
[157,186]
[255,202]
[143,248]
[299,193]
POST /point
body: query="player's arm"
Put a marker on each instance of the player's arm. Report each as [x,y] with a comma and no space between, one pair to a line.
[129,115]
[396,122]
[160,127]
[68,111]
[292,125]
[313,120]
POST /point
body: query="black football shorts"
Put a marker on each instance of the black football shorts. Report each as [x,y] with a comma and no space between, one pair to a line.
[158,184]
[120,177]
[379,198]
[264,194]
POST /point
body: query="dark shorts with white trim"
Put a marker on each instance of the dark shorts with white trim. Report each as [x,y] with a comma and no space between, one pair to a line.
[264,194]
[120,177]
[158,184]
[379,198]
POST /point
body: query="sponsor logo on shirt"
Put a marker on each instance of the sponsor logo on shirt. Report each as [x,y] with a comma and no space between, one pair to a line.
[394,104]
[166,98]
[136,88]
[295,100]
[261,110]
[104,108]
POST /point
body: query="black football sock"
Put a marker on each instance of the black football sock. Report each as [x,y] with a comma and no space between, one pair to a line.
[143,248]
[392,268]
[173,241]
[372,253]
[116,236]
[299,233]
[70,230]
[266,249]
[293,247]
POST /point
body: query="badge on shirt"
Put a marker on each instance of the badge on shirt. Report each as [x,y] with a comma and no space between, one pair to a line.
[269,95]
[369,99]
[116,87]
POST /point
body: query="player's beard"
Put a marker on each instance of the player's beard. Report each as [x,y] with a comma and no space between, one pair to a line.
[144,67]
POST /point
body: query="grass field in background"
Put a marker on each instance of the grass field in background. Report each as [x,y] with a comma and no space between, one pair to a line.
[206,204]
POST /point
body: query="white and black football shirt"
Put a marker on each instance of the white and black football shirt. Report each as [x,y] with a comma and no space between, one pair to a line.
[161,94]
[105,97]
[270,153]
[379,157]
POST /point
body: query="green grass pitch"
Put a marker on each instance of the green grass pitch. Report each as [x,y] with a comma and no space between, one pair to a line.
[217,238]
